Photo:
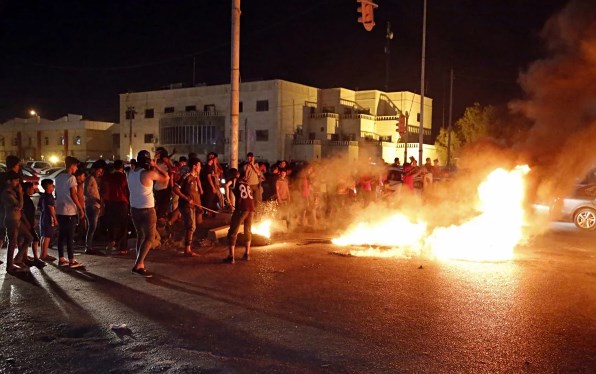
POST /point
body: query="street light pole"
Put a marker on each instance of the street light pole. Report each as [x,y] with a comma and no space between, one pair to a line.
[235,84]
[422,80]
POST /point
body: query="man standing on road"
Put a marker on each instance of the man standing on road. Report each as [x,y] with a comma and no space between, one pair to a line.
[13,164]
[243,214]
[253,178]
[116,199]
[189,190]
[142,205]
[67,206]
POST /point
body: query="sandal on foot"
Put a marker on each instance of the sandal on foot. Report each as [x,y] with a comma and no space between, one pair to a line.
[75,264]
[142,272]
[62,262]
[48,258]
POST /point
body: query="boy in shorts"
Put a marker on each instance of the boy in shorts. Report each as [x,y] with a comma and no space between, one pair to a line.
[48,219]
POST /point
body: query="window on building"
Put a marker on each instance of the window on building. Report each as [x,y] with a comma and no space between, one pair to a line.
[77,140]
[61,140]
[190,108]
[262,135]
[262,105]
[130,114]
[322,129]
[240,135]
[46,141]
[209,108]
[149,113]
[148,138]
[418,117]
[168,109]
[240,107]
[2,141]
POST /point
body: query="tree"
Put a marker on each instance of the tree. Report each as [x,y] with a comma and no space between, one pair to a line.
[478,122]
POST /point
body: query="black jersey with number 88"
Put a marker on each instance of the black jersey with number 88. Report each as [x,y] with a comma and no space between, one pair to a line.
[244,199]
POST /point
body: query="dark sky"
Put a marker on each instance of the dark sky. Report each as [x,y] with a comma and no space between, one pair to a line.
[76,56]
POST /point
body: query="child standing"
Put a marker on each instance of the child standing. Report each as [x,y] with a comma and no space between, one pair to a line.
[28,223]
[48,219]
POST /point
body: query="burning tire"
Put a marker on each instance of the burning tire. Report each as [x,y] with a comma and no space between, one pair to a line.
[585,219]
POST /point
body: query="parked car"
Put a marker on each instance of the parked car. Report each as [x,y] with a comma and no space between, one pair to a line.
[578,207]
[30,175]
[38,166]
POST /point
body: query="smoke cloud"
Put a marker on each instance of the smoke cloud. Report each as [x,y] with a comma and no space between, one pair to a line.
[561,101]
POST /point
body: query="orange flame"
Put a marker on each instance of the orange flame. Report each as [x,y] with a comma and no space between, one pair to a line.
[262,228]
[490,236]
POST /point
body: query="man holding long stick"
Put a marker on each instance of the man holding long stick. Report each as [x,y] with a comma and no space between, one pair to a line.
[189,189]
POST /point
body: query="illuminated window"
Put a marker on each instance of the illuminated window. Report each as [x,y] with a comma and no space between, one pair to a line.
[77,140]
[61,140]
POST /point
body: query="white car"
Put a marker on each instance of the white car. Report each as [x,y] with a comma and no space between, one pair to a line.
[38,166]
[52,176]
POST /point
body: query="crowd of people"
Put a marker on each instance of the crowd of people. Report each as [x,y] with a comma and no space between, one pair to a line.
[158,193]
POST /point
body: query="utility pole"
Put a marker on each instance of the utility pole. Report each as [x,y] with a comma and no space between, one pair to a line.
[422,79]
[406,137]
[450,119]
[235,84]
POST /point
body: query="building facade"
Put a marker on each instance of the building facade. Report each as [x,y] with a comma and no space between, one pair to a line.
[38,138]
[278,120]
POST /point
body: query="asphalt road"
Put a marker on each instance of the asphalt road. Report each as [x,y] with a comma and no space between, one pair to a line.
[298,306]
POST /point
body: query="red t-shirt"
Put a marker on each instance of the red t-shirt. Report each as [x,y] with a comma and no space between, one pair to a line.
[116,187]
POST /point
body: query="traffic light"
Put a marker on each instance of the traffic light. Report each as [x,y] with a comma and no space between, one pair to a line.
[366,9]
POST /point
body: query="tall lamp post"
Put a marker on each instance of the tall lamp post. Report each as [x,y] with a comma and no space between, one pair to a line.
[422,79]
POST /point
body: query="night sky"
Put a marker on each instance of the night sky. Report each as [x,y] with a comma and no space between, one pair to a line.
[64,57]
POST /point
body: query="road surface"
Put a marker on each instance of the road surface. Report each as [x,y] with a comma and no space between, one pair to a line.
[301,306]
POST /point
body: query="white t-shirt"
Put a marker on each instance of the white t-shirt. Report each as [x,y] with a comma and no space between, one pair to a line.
[65,206]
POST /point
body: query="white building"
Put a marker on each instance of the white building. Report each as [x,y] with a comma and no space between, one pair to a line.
[37,138]
[278,120]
